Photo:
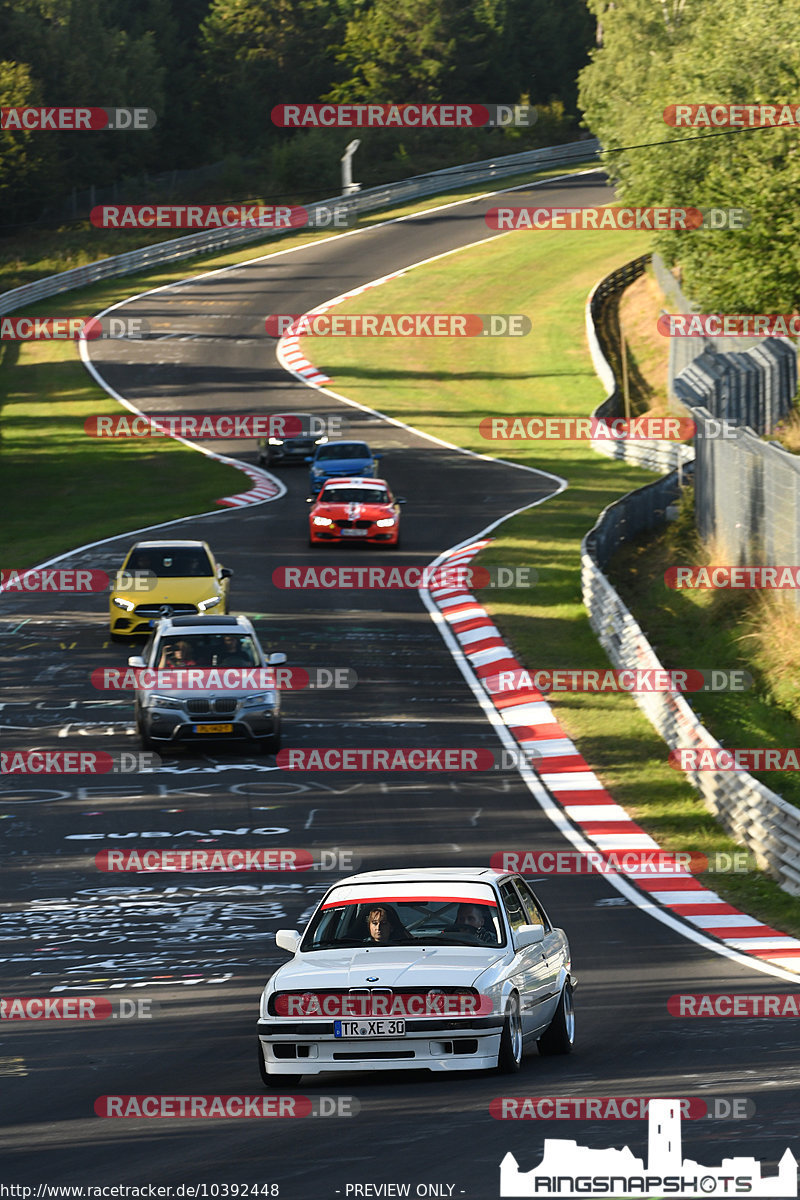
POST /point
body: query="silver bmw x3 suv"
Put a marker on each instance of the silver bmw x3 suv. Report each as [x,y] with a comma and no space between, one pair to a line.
[207,679]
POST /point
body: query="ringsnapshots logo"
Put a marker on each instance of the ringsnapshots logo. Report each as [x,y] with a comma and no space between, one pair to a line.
[730,116]
[403,116]
[77,119]
[402,325]
[570,1170]
[546,682]
[77,762]
[459,577]
[584,429]
[709,325]
[203,1108]
[274,427]
[606,217]
[76,1008]
[67,329]
[237,860]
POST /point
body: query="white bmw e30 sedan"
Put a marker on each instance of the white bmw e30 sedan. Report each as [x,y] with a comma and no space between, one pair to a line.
[444,969]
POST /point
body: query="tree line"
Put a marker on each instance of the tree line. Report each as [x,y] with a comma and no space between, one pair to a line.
[213,69]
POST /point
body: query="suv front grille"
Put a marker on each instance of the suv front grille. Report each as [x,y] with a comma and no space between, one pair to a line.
[221,704]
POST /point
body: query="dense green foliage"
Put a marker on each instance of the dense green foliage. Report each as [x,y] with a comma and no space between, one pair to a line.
[660,52]
[213,69]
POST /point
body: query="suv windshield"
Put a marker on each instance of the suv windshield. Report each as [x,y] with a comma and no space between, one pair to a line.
[177,650]
[404,923]
[171,562]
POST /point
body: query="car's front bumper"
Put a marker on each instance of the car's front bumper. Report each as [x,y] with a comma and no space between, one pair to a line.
[320,534]
[310,1048]
[166,726]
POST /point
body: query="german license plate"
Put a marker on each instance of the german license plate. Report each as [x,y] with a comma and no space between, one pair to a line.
[354,532]
[367,1028]
[213,728]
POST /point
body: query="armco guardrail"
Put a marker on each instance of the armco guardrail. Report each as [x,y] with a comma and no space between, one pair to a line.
[655,455]
[749,811]
[211,240]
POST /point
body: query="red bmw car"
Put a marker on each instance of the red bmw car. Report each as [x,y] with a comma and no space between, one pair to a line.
[357,509]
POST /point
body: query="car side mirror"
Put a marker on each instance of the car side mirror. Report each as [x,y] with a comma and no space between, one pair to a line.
[225,573]
[528,935]
[275,660]
[136,661]
[308,458]
[288,939]
[400,500]
[377,456]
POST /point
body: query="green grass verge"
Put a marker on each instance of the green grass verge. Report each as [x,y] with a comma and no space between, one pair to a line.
[444,388]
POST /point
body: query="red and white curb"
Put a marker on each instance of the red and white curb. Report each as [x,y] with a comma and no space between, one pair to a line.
[570,780]
[288,349]
[266,487]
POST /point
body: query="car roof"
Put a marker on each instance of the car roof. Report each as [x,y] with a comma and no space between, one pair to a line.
[354,481]
[177,545]
[347,442]
[426,875]
[207,624]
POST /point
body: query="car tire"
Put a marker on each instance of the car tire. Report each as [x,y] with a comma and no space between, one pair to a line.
[509,1056]
[272,1081]
[559,1037]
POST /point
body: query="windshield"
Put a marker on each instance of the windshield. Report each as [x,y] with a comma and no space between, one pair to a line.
[404,923]
[206,650]
[171,562]
[353,495]
[345,450]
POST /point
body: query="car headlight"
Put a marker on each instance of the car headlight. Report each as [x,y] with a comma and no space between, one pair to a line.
[385,522]
[317,471]
[125,605]
[322,521]
[275,441]
[261,700]
[204,605]
[151,700]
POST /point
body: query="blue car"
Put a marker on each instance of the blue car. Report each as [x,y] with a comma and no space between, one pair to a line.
[341,458]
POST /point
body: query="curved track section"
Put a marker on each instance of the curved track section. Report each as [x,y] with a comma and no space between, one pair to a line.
[197,947]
